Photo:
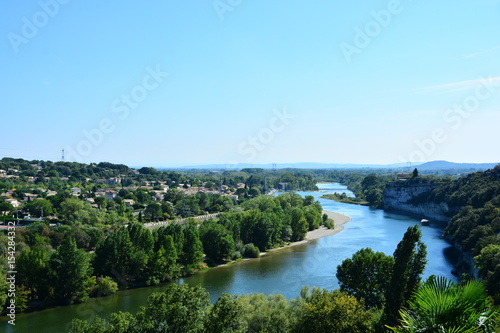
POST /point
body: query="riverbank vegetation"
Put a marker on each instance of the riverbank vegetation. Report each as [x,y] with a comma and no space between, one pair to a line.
[473,203]
[90,255]
[345,199]
[476,226]
[393,296]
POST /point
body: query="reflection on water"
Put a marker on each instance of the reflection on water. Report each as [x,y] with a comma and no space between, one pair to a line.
[284,271]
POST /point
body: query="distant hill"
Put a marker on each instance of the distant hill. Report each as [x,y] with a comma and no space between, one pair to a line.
[300,165]
[427,166]
[445,165]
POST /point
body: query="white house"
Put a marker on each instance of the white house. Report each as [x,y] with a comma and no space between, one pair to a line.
[76,191]
[13,202]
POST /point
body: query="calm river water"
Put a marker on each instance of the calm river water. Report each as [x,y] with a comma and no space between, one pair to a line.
[285,271]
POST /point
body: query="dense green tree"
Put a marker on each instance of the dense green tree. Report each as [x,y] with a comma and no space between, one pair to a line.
[290,199]
[163,263]
[298,223]
[37,234]
[268,231]
[415,173]
[308,200]
[140,237]
[174,230]
[4,187]
[192,251]
[141,262]
[5,208]
[70,208]
[313,217]
[4,288]
[250,251]
[153,212]
[121,322]
[370,181]
[70,269]
[262,313]
[409,264]
[95,235]
[40,207]
[179,308]
[365,276]
[33,271]
[253,192]
[98,325]
[488,262]
[375,197]
[113,256]
[21,298]
[248,221]
[101,286]
[233,222]
[100,202]
[168,210]
[74,211]
[173,195]
[142,196]
[218,244]
[203,200]
[332,311]
[226,316]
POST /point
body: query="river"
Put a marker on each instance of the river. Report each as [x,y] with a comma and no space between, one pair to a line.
[284,271]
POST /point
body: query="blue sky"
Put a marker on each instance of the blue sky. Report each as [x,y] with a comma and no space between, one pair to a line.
[172,83]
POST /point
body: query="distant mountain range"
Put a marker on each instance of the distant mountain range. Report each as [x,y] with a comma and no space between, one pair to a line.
[445,165]
[302,165]
[434,165]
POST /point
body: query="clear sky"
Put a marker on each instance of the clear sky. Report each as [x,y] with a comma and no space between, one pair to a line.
[172,83]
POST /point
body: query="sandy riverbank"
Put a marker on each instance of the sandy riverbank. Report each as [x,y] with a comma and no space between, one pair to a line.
[339,219]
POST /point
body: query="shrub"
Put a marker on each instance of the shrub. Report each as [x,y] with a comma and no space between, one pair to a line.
[329,224]
[104,286]
[251,251]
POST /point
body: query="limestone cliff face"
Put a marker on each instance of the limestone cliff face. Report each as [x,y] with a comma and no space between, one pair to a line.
[402,196]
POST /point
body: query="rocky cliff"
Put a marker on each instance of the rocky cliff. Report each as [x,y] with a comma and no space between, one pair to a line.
[405,196]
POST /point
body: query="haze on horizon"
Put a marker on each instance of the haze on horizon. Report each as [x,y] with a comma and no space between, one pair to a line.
[224,82]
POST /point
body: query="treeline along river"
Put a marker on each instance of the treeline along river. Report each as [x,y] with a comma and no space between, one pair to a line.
[284,271]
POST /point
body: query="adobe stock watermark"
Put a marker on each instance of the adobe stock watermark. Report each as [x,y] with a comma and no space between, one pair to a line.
[454,118]
[250,147]
[122,107]
[372,29]
[222,7]
[31,26]
[10,305]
